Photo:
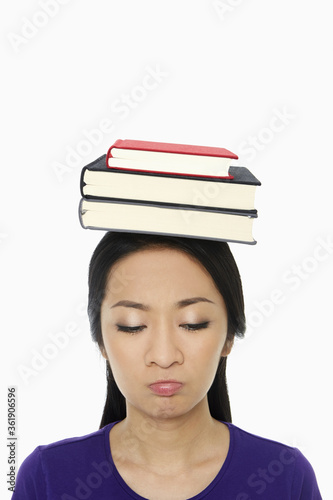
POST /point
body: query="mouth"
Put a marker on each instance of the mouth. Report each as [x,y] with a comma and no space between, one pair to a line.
[165,387]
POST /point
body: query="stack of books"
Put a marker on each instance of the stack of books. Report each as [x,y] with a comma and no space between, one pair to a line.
[173,189]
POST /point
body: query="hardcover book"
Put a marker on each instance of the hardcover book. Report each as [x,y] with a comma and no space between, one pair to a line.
[182,159]
[99,181]
[174,220]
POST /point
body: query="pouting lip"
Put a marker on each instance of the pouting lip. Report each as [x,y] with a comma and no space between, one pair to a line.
[166,388]
[168,381]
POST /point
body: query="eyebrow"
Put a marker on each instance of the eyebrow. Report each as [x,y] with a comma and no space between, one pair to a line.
[179,305]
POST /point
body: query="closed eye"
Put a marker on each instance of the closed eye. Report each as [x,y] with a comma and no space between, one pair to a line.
[192,327]
[130,329]
[195,326]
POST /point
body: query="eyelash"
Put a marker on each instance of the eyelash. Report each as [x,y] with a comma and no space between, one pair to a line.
[192,327]
[132,330]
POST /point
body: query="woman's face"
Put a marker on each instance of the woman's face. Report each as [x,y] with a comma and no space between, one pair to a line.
[164,327]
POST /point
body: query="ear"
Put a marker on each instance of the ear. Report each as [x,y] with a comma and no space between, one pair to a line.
[103,352]
[227,347]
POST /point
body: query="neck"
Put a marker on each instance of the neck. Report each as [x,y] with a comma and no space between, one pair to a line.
[175,442]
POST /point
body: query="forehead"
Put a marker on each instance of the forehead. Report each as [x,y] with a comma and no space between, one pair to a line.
[152,260]
[155,269]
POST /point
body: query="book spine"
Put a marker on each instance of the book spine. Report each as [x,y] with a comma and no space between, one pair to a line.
[82,183]
[81,211]
[108,155]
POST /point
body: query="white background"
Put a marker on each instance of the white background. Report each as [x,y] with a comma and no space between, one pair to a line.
[226,70]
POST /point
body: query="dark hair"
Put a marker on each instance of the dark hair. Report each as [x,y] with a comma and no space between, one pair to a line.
[218,260]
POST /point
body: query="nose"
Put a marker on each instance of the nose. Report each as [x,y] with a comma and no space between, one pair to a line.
[163,348]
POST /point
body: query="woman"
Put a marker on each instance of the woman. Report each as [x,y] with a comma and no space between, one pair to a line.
[164,312]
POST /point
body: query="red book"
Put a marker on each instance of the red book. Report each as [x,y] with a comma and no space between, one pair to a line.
[167,158]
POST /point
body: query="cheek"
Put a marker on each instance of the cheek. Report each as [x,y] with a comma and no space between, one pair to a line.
[203,355]
[209,345]
[207,355]
[124,359]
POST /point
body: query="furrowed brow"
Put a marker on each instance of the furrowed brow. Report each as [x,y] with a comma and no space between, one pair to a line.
[193,300]
[179,305]
[130,303]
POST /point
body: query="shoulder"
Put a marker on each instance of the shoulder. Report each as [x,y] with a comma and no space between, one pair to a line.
[267,463]
[56,461]
[79,447]
[260,445]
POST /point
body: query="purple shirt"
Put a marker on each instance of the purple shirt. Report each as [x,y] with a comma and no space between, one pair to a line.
[82,468]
